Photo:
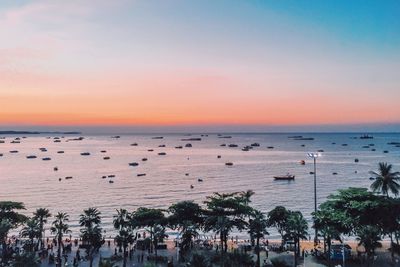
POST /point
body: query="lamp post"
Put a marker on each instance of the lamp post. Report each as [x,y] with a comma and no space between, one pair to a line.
[314,156]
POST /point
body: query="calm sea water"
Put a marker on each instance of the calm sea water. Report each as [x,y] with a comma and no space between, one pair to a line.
[36,183]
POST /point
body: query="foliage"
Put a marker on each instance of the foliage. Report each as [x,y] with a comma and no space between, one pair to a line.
[26,259]
[187,217]
[226,212]
[385,180]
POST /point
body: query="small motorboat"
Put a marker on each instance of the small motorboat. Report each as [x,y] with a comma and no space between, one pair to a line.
[188,145]
[85,154]
[103,151]
[55,169]
[68,177]
[134,144]
[284,177]
[199,180]
[150,150]
[178,147]
[14,151]
[219,156]
[141,174]
[106,158]
[255,145]
[60,152]
[31,157]
[162,154]
[133,164]
[233,145]
[46,158]
[111,181]
[229,164]
[144,159]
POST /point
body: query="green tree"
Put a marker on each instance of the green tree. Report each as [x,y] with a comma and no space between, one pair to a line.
[224,213]
[278,218]
[41,216]
[150,218]
[9,219]
[369,237]
[258,229]
[386,181]
[90,221]
[187,217]
[331,224]
[123,223]
[31,230]
[296,230]
[60,227]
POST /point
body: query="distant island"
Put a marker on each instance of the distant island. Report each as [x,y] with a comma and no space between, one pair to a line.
[35,132]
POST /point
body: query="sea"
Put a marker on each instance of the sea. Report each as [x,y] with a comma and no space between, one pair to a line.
[345,160]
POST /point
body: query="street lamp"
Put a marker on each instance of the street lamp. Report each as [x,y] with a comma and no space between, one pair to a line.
[314,156]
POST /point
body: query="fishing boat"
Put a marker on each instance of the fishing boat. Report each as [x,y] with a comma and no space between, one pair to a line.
[284,177]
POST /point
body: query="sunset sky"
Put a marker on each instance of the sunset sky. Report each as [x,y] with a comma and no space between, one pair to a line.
[200,63]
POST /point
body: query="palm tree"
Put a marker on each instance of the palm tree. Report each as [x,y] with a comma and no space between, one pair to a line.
[278,218]
[123,223]
[385,180]
[186,216]
[59,228]
[31,230]
[9,219]
[296,229]
[41,215]
[151,218]
[91,232]
[258,229]
[224,213]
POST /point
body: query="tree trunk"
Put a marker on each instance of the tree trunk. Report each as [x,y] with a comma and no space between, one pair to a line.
[91,257]
[391,247]
[329,250]
[295,254]
[59,251]
[221,237]
[258,252]
[124,256]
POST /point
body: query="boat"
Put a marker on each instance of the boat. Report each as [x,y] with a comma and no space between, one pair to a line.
[60,152]
[199,180]
[303,162]
[219,156]
[134,144]
[133,164]
[55,169]
[223,145]
[14,151]
[68,177]
[229,164]
[178,147]
[141,174]
[162,154]
[161,146]
[111,181]
[144,159]
[103,151]
[366,136]
[188,145]
[233,145]
[85,154]
[31,157]
[270,147]
[106,158]
[284,177]
[150,150]
[46,158]
[255,145]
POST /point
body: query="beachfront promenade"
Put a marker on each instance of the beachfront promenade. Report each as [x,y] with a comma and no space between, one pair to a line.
[138,258]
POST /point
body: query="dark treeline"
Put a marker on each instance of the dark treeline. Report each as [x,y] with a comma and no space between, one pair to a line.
[367,215]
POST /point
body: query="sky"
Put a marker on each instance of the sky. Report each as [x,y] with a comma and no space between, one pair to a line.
[200,64]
